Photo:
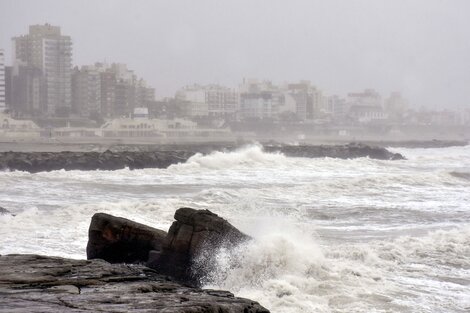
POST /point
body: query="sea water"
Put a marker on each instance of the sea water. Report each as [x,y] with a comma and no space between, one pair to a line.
[332,235]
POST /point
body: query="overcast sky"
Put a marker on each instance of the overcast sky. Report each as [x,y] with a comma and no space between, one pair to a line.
[418,47]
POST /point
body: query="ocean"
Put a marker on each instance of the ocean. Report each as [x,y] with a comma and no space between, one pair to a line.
[331,235]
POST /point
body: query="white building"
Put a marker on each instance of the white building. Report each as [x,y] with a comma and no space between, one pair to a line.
[45,48]
[13,128]
[260,99]
[169,130]
[366,107]
[209,100]
[2,80]
[309,101]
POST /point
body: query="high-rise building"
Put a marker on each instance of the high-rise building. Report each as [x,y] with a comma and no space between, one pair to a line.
[108,91]
[46,49]
[86,91]
[2,81]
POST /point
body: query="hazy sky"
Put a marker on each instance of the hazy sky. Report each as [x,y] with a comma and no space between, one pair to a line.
[418,47]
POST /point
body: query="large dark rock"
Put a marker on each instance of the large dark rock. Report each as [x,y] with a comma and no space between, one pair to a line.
[119,240]
[37,284]
[196,234]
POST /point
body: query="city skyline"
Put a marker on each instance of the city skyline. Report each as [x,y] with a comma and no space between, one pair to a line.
[338,46]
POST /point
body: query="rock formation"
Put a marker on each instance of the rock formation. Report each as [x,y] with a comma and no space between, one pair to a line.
[194,234]
[34,284]
[119,240]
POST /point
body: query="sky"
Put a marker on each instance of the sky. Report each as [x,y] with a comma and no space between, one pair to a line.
[420,48]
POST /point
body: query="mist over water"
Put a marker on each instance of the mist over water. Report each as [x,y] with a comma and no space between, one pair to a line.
[331,235]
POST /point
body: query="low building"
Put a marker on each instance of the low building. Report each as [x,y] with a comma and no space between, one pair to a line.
[15,128]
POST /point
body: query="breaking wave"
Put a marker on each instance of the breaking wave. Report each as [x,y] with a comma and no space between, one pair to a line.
[248,156]
[291,272]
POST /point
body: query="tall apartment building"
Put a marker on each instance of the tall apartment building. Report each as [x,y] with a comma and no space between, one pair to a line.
[86,91]
[108,91]
[46,49]
[2,81]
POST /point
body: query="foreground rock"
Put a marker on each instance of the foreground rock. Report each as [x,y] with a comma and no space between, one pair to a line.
[185,253]
[48,161]
[33,284]
[119,240]
[191,244]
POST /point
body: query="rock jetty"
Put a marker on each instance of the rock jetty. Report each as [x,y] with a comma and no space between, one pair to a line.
[348,151]
[113,160]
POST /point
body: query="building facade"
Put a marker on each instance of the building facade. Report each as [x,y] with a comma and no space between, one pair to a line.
[46,49]
[86,91]
[2,81]
[209,101]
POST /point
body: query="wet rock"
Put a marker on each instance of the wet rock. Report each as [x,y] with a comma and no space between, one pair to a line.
[119,240]
[108,160]
[349,151]
[194,234]
[4,211]
[33,284]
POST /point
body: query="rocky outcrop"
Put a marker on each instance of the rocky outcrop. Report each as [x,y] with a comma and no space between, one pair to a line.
[33,284]
[185,253]
[348,151]
[196,234]
[110,160]
[119,240]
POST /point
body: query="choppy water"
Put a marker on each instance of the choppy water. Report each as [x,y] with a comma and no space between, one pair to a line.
[332,235]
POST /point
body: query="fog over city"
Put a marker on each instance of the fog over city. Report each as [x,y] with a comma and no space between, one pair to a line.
[419,48]
[262,156]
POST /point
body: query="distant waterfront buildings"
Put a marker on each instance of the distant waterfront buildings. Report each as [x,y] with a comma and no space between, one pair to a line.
[41,84]
[44,55]
[209,101]
[366,107]
[108,91]
[86,91]
[2,81]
